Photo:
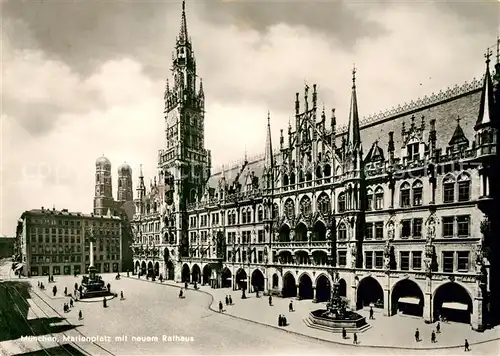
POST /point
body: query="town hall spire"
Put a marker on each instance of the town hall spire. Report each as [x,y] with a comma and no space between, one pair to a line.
[353,135]
[183,34]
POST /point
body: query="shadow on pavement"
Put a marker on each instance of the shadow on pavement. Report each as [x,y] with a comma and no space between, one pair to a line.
[14,308]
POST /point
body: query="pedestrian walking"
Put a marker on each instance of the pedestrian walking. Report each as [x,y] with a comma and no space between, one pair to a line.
[344,333]
[221,308]
[104,304]
[417,335]
[371,313]
[285,322]
[466,346]
[433,337]
[128,273]
[76,286]
[280,320]
[80,315]
[438,328]
[230,300]
[180,293]
[290,307]
[121,295]
[54,290]
[355,339]
[270,300]
[227,300]
[109,287]
[65,291]
[71,303]
[38,284]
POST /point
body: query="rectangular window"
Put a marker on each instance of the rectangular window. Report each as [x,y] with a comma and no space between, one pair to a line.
[405,228]
[463,261]
[379,259]
[369,259]
[342,258]
[448,222]
[416,260]
[379,230]
[463,225]
[417,196]
[449,192]
[405,198]
[369,231]
[448,260]
[405,260]
[417,227]
[369,202]
[379,201]
[261,236]
[413,152]
[464,191]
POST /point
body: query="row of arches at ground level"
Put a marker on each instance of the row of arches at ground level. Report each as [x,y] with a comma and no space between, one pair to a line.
[153,269]
[450,300]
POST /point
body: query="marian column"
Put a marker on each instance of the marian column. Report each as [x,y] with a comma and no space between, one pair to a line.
[91,237]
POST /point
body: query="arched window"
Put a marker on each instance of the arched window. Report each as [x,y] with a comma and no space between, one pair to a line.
[341,202]
[369,199]
[319,173]
[301,176]
[292,178]
[379,198]
[449,189]
[243,216]
[405,195]
[249,215]
[305,206]
[324,204]
[260,213]
[285,180]
[289,209]
[309,176]
[464,187]
[342,232]
[327,170]
[276,211]
[417,193]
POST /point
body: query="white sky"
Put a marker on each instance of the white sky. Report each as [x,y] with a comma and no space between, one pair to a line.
[64,108]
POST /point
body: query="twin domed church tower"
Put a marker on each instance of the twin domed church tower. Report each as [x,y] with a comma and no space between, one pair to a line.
[104,203]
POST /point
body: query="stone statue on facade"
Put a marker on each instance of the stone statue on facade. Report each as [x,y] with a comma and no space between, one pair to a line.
[431,229]
[266,258]
[354,254]
[390,231]
[387,255]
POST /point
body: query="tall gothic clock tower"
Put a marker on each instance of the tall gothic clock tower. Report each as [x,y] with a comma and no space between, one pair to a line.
[184,163]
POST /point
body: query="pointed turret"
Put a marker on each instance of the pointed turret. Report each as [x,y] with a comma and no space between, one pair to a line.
[269,157]
[141,187]
[486,115]
[183,34]
[353,135]
[269,160]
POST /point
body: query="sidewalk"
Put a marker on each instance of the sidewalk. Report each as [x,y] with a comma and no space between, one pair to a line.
[385,332]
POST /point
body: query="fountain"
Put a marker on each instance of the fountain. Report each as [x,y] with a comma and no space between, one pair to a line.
[93,285]
[336,316]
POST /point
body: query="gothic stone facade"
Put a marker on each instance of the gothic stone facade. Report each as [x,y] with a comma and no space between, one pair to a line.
[400,205]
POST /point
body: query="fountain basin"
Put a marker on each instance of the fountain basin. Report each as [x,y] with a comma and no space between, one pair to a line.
[351,322]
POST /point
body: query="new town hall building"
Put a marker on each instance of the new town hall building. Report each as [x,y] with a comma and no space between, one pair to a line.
[400,205]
